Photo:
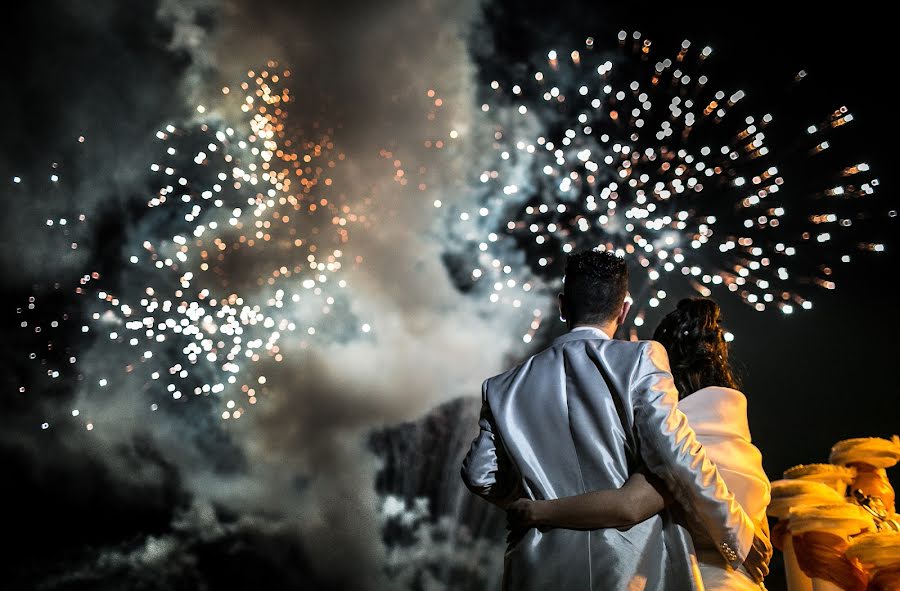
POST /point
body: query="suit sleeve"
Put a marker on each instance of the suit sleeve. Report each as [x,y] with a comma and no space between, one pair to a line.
[669,447]
[486,469]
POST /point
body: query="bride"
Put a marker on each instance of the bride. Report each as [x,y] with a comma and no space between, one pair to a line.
[717,411]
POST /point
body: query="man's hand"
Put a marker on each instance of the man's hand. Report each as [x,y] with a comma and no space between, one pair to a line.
[757,561]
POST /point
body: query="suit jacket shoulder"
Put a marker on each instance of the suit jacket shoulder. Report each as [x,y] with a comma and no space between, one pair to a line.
[631,350]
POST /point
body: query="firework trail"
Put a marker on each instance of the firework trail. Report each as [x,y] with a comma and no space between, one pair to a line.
[645,156]
[242,243]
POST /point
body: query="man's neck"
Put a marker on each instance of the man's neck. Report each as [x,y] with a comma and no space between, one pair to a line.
[609,328]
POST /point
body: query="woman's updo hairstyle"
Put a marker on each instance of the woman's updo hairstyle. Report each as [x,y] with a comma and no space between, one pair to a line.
[695,341]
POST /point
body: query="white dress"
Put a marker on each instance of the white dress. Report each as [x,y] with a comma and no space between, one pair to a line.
[719,418]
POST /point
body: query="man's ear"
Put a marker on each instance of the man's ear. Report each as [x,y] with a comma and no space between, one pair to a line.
[626,307]
[561,302]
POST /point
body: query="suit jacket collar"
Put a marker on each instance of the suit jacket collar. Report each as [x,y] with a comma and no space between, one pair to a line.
[581,333]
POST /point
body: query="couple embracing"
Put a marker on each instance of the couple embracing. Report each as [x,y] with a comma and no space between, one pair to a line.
[623,465]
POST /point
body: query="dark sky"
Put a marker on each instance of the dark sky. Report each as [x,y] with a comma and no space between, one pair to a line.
[811,379]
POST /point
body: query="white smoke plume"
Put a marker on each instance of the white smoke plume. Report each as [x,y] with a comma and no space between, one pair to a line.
[298,462]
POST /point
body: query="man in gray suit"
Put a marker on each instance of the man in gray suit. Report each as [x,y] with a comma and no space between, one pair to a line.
[583,415]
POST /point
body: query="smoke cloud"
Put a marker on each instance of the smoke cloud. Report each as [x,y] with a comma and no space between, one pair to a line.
[299,466]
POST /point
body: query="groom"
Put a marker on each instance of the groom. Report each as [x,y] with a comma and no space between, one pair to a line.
[585,414]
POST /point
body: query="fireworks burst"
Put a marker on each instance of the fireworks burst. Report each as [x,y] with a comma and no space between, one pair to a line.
[244,238]
[645,156]
[241,244]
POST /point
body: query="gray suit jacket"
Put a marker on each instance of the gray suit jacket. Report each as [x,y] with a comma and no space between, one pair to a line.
[583,415]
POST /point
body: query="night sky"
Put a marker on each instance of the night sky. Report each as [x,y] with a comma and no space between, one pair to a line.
[129,511]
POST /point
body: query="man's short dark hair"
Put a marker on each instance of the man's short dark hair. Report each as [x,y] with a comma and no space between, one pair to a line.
[595,286]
